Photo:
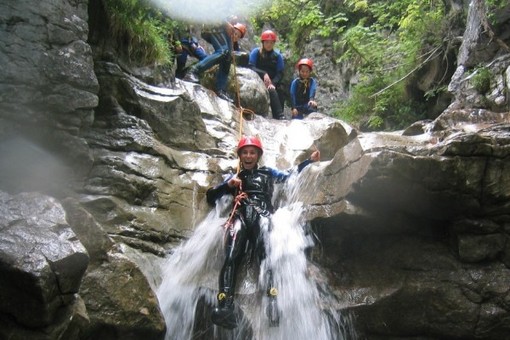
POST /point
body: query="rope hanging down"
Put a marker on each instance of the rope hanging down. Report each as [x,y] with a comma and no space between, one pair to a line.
[240,194]
[239,108]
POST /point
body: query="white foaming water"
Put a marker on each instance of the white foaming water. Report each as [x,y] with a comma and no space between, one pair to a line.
[186,272]
[209,11]
[192,272]
[298,297]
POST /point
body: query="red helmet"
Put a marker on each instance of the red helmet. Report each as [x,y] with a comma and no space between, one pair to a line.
[249,141]
[241,28]
[305,61]
[268,36]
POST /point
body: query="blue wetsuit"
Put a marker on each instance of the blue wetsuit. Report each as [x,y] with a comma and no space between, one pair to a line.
[219,38]
[301,92]
[271,62]
[190,47]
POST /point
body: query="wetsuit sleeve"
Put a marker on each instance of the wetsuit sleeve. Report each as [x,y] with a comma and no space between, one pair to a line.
[280,176]
[279,69]
[293,89]
[313,89]
[217,192]
[303,165]
[252,62]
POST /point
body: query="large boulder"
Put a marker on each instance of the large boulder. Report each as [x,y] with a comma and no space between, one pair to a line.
[414,227]
[120,302]
[42,262]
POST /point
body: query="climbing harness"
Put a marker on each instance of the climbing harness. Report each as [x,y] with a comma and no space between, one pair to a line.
[237,202]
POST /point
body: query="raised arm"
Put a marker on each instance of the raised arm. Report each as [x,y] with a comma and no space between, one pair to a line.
[281,176]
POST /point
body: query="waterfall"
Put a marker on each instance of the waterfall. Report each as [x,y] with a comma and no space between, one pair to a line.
[190,278]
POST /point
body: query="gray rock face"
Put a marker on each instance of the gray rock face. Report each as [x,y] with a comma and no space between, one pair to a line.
[417,229]
[108,291]
[482,63]
[49,88]
[413,225]
[41,260]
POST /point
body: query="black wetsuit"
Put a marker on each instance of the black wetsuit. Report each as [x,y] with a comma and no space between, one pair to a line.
[258,184]
[272,63]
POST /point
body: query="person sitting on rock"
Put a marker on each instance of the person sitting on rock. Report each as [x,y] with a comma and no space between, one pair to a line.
[269,65]
[223,38]
[302,90]
[184,47]
[253,191]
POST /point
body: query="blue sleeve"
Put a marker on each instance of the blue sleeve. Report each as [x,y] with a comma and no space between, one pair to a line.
[304,164]
[313,88]
[254,57]
[293,89]
[279,69]
[282,176]
[253,60]
[280,65]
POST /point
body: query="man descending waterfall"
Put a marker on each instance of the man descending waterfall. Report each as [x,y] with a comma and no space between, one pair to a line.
[252,188]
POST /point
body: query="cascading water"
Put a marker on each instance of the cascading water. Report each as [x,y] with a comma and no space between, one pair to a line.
[190,278]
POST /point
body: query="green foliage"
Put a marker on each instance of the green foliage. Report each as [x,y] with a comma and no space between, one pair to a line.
[387,45]
[387,111]
[481,80]
[386,41]
[299,20]
[494,7]
[140,30]
[435,92]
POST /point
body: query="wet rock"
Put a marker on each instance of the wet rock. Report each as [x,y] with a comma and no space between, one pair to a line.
[42,261]
[120,302]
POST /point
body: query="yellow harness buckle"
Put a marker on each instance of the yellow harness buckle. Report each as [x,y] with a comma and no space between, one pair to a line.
[272,291]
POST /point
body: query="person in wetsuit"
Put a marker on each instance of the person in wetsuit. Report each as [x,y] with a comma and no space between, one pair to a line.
[224,39]
[269,65]
[184,47]
[302,90]
[255,184]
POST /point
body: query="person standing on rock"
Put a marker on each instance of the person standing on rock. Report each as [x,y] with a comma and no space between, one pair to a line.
[302,90]
[269,65]
[224,39]
[252,189]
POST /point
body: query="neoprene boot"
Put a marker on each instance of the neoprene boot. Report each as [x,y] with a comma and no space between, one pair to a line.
[192,76]
[224,95]
[224,315]
[272,312]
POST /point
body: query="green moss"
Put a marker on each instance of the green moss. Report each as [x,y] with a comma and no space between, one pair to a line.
[481,80]
[140,31]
